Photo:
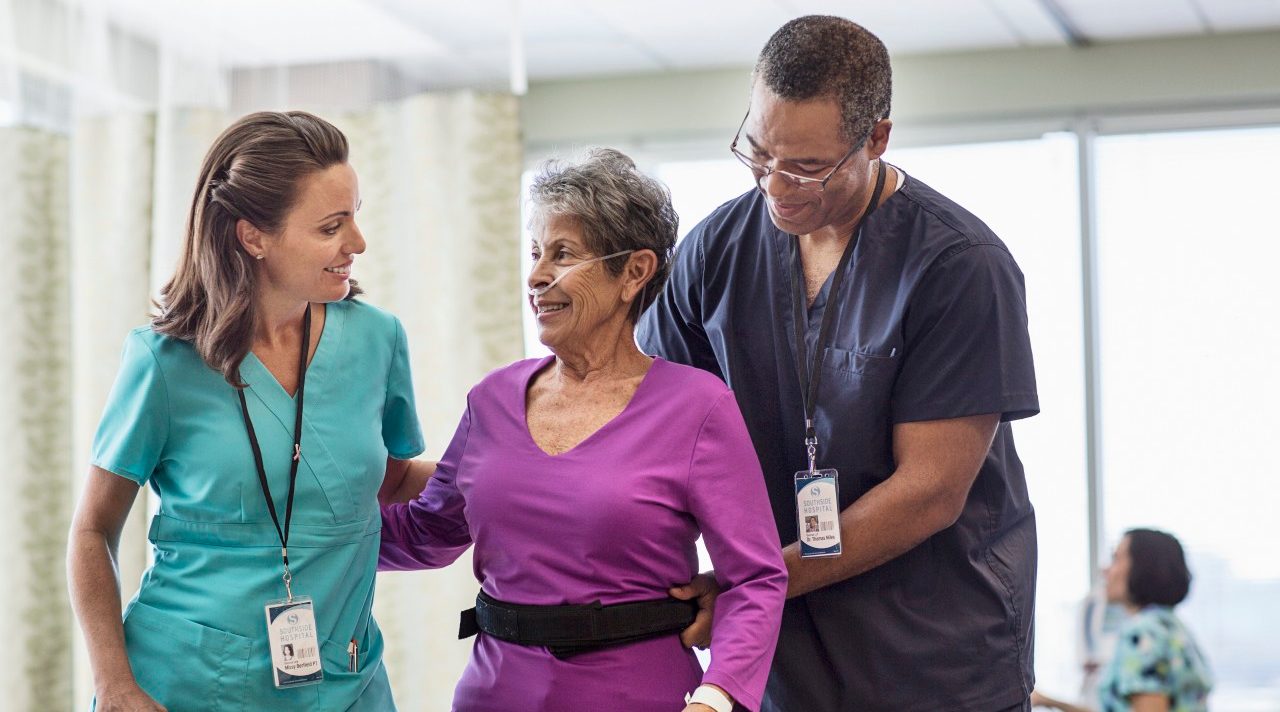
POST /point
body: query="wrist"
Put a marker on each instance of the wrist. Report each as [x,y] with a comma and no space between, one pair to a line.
[711,696]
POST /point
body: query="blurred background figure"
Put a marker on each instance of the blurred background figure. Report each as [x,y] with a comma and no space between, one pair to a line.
[1100,622]
[1156,665]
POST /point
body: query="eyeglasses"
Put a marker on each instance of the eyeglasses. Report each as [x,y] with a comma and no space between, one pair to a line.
[761,171]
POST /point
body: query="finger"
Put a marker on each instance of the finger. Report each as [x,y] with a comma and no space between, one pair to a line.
[699,632]
[692,636]
[684,593]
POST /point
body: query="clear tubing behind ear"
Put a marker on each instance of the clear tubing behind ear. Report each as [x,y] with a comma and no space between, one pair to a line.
[539,291]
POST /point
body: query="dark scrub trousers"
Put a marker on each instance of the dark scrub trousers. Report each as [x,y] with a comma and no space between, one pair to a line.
[196,632]
[931,325]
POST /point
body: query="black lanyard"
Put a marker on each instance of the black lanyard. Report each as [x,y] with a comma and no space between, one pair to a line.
[297,452]
[809,370]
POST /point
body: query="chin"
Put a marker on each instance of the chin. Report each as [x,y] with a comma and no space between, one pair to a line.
[789,226]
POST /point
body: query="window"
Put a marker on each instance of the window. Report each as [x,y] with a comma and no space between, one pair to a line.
[1190,348]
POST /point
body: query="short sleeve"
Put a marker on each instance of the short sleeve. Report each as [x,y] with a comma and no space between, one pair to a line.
[967,350]
[401,432]
[131,436]
[1142,661]
[672,326]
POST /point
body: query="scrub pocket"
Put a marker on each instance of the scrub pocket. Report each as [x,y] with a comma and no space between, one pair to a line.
[185,665]
[854,414]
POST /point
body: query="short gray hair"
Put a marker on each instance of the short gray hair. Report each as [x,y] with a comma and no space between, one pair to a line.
[616,206]
[821,56]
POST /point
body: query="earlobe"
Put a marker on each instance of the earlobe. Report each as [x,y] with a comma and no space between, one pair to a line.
[640,269]
[878,143]
[251,239]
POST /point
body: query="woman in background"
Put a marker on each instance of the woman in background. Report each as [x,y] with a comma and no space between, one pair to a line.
[1157,666]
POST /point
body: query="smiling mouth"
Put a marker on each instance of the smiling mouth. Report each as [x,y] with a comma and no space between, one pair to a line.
[785,207]
[338,270]
[549,308]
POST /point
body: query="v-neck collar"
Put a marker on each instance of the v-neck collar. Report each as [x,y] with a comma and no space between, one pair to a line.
[264,385]
[598,432]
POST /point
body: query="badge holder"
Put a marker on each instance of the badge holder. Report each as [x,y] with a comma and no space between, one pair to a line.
[818,510]
[295,647]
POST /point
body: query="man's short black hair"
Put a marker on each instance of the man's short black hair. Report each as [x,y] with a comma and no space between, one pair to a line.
[820,56]
[1158,573]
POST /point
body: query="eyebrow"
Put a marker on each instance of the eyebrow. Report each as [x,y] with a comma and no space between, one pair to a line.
[339,214]
[342,213]
[817,161]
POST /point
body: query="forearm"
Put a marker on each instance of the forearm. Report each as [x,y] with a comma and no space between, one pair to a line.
[95,597]
[416,535]
[885,523]
[1044,701]
[415,480]
[404,480]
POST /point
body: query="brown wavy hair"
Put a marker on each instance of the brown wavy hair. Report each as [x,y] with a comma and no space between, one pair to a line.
[251,173]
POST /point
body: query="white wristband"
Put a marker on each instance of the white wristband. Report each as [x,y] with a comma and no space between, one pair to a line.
[711,697]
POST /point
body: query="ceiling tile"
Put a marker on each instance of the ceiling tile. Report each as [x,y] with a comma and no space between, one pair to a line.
[1235,15]
[1109,20]
[1029,21]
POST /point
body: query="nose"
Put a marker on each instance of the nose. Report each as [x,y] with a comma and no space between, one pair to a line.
[774,184]
[356,244]
[540,277]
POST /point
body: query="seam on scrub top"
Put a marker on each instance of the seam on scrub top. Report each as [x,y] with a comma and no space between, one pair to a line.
[688,482]
[971,238]
[164,383]
[395,351]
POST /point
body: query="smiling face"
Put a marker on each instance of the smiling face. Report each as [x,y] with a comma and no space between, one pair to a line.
[804,138]
[586,299]
[310,257]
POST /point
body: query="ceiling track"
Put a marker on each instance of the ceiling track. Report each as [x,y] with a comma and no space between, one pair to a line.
[1065,24]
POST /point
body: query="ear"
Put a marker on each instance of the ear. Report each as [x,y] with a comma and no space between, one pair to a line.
[878,141]
[641,266]
[252,240]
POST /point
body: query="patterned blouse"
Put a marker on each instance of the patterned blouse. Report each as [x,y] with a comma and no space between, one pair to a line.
[1156,654]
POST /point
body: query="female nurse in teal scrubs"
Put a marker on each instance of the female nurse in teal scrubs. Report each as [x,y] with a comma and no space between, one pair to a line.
[256,333]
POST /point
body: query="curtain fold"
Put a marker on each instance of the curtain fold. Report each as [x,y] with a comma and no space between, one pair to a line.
[112,158]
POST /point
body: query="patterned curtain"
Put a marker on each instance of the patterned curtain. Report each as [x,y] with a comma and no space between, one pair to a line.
[440,180]
[95,221]
[35,420]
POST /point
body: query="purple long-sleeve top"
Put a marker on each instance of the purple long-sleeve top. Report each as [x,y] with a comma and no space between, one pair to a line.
[612,520]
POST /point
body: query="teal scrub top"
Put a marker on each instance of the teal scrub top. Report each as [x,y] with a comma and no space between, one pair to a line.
[196,630]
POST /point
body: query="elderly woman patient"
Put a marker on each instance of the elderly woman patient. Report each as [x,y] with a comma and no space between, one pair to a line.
[584,478]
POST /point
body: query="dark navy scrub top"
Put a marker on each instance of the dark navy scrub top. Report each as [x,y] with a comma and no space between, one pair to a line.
[932,324]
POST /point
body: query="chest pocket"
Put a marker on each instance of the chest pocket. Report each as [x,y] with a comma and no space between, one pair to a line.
[853,417]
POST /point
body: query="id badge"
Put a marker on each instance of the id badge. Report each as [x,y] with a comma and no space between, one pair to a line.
[818,513]
[295,647]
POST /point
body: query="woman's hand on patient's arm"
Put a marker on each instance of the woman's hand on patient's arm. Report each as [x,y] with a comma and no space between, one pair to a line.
[404,480]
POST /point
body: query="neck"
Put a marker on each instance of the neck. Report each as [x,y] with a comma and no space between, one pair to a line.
[841,231]
[277,321]
[603,359]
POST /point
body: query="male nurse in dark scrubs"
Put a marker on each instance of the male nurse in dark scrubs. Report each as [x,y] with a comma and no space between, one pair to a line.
[875,335]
